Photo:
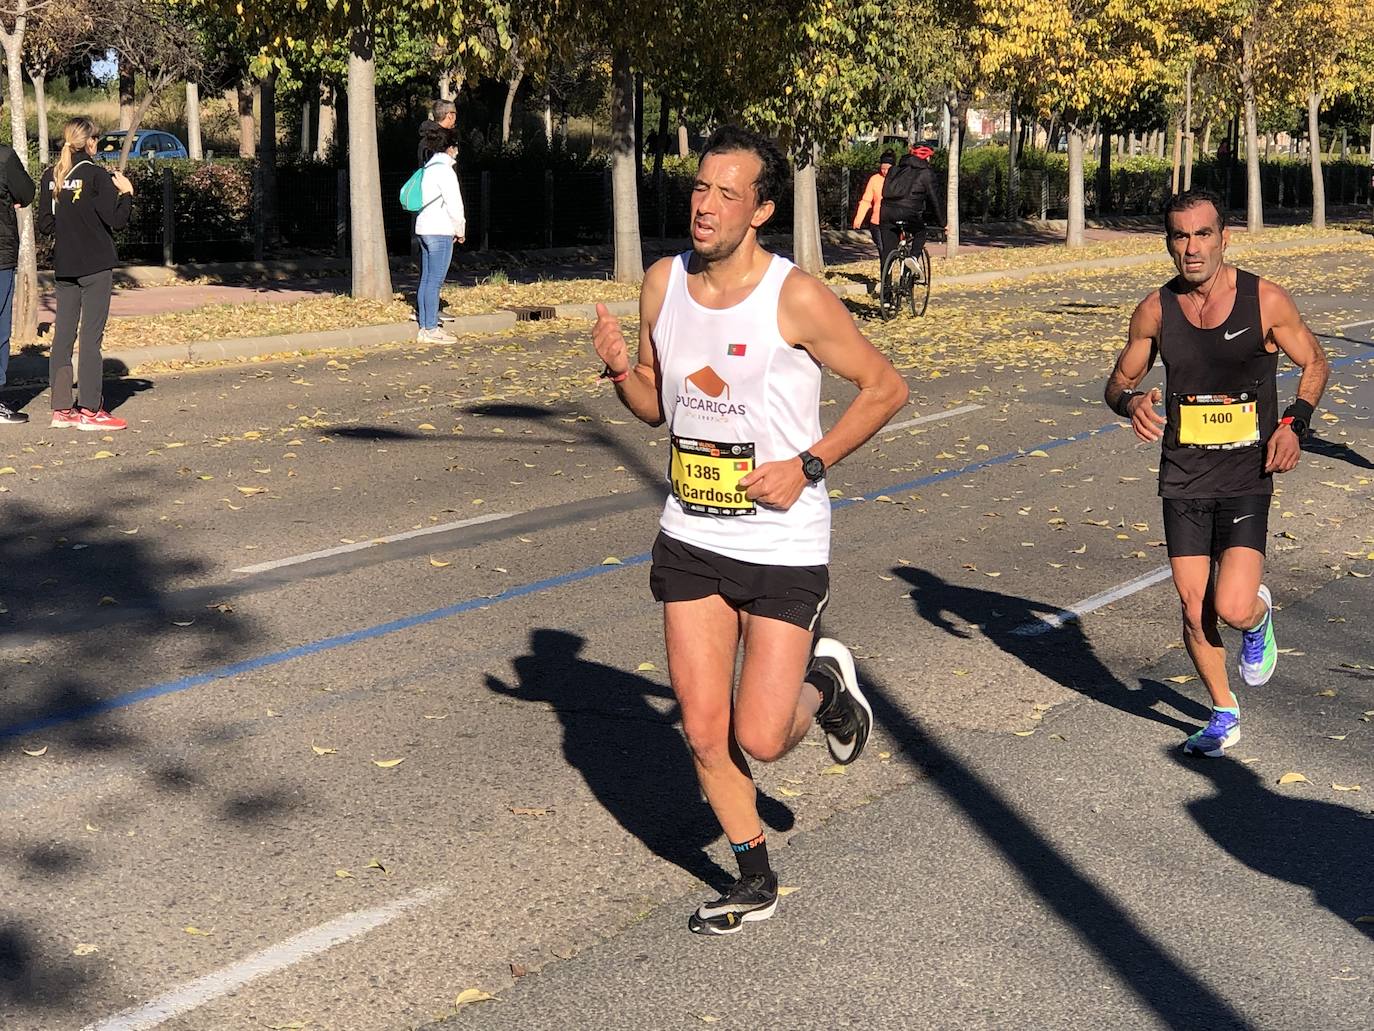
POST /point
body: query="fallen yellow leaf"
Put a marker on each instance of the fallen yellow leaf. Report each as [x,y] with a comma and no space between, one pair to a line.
[611,560]
[437,564]
[1293,778]
[645,667]
[248,492]
[323,751]
[470,995]
[387,764]
[197,932]
[36,752]
[84,949]
[1344,787]
[833,771]
[1184,678]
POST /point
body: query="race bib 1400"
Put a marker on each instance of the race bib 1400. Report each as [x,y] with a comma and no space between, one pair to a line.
[1218,420]
[705,476]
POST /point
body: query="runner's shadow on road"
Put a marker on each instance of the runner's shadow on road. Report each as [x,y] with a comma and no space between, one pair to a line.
[1063,655]
[631,755]
[1317,845]
[1336,450]
[1181,1000]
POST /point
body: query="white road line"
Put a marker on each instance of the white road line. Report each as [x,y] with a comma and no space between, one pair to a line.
[1053,621]
[271,959]
[933,417]
[344,549]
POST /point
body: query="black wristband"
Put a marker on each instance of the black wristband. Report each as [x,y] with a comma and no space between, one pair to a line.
[1300,409]
[1123,403]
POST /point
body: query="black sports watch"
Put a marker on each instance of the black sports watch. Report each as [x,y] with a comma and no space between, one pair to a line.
[812,467]
[1298,425]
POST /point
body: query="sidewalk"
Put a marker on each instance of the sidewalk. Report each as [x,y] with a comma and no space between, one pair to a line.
[1088,876]
[841,247]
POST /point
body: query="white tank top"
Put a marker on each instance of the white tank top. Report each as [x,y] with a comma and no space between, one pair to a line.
[737,395]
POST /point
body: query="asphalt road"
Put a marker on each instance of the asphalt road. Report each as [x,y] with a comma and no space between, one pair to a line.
[223,627]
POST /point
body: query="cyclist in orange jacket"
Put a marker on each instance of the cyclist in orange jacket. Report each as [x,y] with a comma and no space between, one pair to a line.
[872,201]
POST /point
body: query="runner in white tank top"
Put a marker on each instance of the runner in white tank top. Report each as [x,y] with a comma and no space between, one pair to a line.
[732,340]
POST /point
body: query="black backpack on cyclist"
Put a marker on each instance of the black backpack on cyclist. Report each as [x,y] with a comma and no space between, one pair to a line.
[904,196]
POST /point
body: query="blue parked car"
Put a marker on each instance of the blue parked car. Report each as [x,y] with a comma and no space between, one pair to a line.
[148,143]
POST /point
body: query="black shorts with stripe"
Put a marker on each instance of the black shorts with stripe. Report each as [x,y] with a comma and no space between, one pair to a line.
[1208,526]
[793,594]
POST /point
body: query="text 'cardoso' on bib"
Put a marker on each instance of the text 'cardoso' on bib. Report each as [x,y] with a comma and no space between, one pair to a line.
[1218,420]
[705,476]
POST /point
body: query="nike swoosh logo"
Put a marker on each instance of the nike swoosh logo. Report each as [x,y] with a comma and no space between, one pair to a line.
[1239,518]
[1232,336]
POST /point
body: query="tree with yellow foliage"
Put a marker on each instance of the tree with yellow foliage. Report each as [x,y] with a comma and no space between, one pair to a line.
[1080,60]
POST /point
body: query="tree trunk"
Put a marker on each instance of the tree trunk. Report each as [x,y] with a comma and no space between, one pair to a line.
[1177,177]
[40,99]
[1254,199]
[953,121]
[1104,172]
[806,217]
[241,100]
[1188,133]
[24,324]
[1013,208]
[684,143]
[1314,108]
[1073,235]
[371,273]
[193,141]
[126,97]
[548,116]
[639,126]
[267,156]
[629,257]
[1207,135]
[306,109]
[325,123]
[446,85]
[512,87]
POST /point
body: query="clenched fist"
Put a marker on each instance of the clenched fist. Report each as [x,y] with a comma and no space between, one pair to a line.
[1145,419]
[609,341]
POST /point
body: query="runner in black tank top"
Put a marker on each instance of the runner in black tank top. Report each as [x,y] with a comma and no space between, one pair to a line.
[1219,331]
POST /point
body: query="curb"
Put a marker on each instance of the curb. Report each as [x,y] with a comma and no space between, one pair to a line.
[29,366]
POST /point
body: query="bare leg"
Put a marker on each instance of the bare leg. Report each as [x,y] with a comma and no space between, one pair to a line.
[1196,592]
[702,638]
[775,707]
[1237,588]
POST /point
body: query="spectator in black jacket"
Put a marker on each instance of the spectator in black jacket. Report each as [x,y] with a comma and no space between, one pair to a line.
[16,191]
[82,205]
[443,115]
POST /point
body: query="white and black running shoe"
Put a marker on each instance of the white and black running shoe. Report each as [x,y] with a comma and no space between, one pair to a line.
[749,898]
[9,417]
[844,715]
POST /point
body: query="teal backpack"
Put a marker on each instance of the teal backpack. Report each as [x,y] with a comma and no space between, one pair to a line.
[412,192]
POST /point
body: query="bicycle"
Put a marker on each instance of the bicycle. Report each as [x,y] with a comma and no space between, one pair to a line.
[905,276]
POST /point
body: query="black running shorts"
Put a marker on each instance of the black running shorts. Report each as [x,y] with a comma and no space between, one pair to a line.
[1208,526]
[794,594]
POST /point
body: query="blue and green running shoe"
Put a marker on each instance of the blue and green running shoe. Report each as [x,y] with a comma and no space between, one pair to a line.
[1222,731]
[1258,652]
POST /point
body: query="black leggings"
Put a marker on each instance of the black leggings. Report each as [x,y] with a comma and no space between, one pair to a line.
[85,299]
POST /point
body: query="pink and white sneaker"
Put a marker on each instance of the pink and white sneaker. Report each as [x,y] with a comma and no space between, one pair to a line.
[65,417]
[101,421]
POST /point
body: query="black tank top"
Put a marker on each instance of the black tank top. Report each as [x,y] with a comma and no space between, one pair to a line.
[1221,392]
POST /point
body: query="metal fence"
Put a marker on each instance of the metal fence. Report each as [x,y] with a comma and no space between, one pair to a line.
[212,211]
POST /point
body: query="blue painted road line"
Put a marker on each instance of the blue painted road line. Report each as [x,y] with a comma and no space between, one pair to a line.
[383,629]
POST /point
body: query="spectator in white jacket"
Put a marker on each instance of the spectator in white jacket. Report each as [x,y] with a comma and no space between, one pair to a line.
[438,225]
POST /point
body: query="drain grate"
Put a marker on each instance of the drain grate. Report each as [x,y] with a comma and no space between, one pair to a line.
[531,313]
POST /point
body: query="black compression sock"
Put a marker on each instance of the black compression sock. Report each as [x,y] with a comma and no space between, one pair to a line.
[825,684]
[752,856]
